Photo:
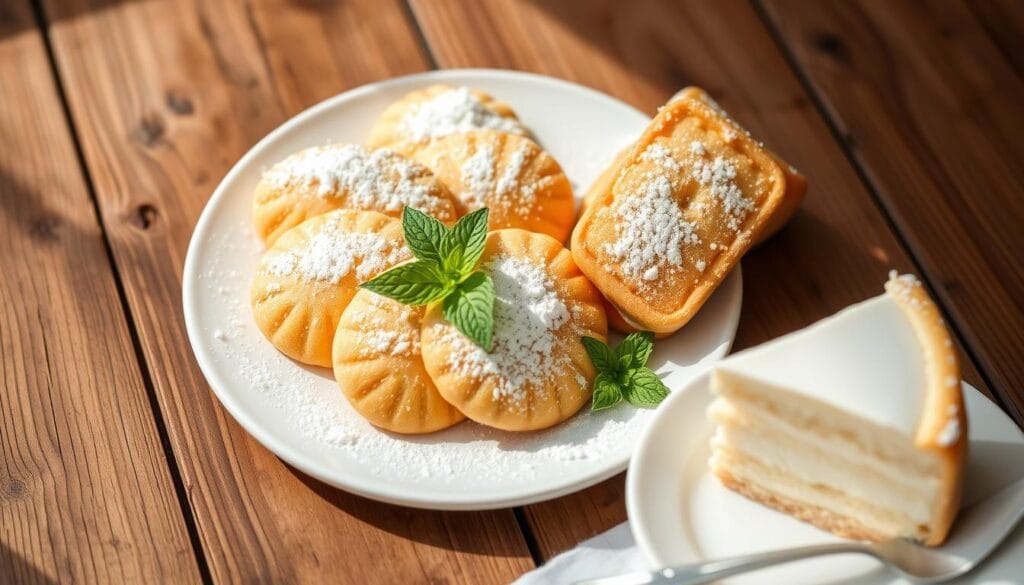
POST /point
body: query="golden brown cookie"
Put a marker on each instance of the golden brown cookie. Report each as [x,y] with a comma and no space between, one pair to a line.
[345,176]
[538,372]
[686,203]
[522,185]
[436,111]
[307,278]
[379,368]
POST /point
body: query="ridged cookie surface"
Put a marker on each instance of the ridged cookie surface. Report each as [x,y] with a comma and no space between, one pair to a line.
[344,176]
[307,278]
[538,372]
[379,368]
[522,185]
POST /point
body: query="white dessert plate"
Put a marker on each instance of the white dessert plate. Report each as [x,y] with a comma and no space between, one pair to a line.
[298,412]
[680,514]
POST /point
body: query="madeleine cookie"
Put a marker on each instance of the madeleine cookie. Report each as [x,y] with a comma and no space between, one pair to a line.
[796,183]
[538,373]
[440,110]
[308,277]
[687,202]
[344,176]
[378,366]
[521,184]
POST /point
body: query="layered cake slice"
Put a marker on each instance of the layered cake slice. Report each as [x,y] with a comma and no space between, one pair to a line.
[855,424]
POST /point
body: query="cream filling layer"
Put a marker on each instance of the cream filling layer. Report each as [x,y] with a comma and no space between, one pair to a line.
[913,469]
[913,497]
[886,522]
[832,429]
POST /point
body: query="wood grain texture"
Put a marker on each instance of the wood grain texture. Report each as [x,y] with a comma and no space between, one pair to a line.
[932,111]
[1003,20]
[837,250]
[86,494]
[166,96]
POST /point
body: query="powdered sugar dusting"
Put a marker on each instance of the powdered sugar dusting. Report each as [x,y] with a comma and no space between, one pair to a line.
[477,174]
[650,231]
[660,155]
[949,433]
[719,175]
[465,458]
[510,177]
[902,286]
[527,314]
[451,112]
[303,412]
[334,252]
[509,190]
[379,179]
[385,327]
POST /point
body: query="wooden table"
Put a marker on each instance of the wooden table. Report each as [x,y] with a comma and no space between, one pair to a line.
[118,119]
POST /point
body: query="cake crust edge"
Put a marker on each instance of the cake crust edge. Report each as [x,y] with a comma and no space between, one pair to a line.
[944,404]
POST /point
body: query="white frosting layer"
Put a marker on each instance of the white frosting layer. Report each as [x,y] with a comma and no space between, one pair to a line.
[864,479]
[864,360]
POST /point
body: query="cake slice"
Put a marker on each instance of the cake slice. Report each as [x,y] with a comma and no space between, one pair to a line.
[855,424]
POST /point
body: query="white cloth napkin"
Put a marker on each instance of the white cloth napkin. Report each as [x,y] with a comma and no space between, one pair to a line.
[610,553]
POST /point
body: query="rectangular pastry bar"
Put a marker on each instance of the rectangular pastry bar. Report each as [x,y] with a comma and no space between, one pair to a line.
[666,227]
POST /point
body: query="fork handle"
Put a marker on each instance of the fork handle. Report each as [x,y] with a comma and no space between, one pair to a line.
[698,573]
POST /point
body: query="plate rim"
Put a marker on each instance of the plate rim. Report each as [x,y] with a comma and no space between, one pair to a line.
[378,491]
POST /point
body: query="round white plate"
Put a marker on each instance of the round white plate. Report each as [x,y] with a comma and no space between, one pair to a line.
[298,413]
[680,514]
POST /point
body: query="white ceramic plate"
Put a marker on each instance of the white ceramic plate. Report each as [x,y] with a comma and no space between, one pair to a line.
[298,413]
[679,514]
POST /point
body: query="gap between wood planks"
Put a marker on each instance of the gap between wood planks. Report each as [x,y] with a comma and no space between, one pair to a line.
[926,276]
[39,13]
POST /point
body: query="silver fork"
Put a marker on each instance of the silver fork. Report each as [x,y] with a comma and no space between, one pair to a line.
[977,532]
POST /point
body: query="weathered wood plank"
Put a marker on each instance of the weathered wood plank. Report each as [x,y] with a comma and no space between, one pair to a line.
[931,110]
[166,96]
[836,251]
[86,494]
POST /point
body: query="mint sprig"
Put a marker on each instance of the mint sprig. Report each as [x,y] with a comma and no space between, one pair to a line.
[622,373]
[444,271]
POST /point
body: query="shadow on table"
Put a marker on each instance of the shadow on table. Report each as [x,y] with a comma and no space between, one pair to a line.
[51,230]
[15,568]
[16,17]
[470,532]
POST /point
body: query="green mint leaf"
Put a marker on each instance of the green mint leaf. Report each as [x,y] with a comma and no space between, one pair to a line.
[635,350]
[470,307]
[416,283]
[607,393]
[602,356]
[423,235]
[464,243]
[644,388]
